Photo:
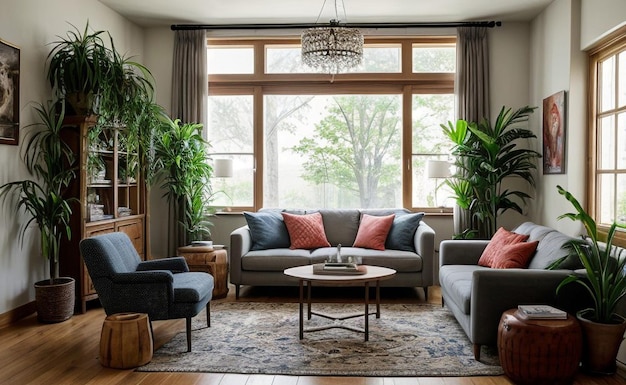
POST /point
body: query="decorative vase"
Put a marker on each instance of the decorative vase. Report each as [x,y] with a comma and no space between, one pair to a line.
[55,301]
[601,344]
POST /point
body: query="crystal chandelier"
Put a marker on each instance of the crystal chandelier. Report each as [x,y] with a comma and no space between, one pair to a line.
[332,49]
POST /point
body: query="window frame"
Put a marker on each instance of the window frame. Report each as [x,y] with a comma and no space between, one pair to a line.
[611,46]
[405,83]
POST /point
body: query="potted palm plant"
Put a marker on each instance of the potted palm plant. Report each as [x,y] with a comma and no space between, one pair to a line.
[185,171]
[52,164]
[486,155]
[605,281]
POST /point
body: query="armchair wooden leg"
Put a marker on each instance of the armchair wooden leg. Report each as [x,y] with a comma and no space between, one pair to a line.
[208,314]
[188,319]
[426,293]
[477,352]
[236,291]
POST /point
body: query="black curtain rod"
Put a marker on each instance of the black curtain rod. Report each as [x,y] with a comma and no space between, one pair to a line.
[488,24]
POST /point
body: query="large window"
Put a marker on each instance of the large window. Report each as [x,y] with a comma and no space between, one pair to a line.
[608,134]
[355,140]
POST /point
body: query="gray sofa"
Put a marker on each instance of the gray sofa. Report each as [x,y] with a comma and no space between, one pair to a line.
[260,266]
[477,296]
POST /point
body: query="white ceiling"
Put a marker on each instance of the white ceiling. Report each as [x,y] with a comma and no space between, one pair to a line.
[167,12]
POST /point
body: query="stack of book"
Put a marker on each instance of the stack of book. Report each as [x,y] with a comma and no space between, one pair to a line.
[339,268]
[543,312]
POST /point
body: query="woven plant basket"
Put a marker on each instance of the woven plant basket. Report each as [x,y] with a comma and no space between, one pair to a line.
[55,302]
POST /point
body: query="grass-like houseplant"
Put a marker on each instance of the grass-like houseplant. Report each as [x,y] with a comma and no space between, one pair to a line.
[78,66]
[605,281]
[486,155]
[185,171]
[53,165]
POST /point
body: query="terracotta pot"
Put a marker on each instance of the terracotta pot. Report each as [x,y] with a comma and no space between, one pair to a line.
[601,344]
[55,302]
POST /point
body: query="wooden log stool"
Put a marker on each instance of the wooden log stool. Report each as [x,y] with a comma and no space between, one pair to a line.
[208,260]
[539,351]
[126,341]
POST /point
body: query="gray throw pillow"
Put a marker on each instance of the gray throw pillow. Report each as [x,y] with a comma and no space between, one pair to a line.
[268,230]
[402,232]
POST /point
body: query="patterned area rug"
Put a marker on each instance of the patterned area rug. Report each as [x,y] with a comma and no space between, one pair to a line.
[262,338]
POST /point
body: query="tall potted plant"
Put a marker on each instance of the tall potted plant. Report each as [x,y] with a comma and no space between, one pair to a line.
[182,153]
[486,155]
[52,164]
[605,281]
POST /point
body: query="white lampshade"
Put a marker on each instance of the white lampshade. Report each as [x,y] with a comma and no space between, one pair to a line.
[438,169]
[222,168]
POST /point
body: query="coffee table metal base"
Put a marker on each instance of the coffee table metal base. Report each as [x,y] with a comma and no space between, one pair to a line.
[366,313]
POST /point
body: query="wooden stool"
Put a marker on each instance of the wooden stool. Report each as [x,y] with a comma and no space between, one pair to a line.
[126,341]
[208,260]
[539,351]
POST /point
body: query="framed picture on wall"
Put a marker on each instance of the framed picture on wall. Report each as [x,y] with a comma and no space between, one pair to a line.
[554,134]
[9,93]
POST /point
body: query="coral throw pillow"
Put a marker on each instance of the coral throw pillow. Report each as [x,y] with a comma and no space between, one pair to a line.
[516,255]
[305,231]
[501,238]
[373,231]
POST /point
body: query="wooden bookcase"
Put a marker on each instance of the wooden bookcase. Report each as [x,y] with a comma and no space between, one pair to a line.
[110,200]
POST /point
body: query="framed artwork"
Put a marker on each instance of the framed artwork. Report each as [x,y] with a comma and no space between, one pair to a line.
[9,93]
[554,134]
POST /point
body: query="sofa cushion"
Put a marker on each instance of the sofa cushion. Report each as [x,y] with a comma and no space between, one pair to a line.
[274,259]
[516,255]
[401,261]
[550,248]
[373,231]
[267,230]
[402,232]
[341,225]
[501,238]
[305,231]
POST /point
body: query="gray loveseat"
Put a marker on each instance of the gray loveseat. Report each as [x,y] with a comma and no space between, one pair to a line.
[477,295]
[255,262]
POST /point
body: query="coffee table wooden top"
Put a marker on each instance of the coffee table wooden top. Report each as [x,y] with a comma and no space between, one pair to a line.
[374,273]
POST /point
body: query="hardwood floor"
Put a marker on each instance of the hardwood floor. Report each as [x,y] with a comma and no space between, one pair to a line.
[67,353]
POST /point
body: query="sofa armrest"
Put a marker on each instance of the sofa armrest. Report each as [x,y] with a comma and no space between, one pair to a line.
[461,252]
[497,290]
[424,241]
[240,244]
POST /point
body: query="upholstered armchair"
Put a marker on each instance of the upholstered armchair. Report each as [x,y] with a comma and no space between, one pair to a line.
[162,288]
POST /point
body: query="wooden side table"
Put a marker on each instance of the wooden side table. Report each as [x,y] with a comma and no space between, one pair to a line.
[209,260]
[539,351]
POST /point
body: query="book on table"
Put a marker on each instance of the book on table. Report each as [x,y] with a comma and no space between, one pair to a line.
[330,268]
[541,312]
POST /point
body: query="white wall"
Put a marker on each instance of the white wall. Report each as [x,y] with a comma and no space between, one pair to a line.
[31,25]
[599,18]
[557,63]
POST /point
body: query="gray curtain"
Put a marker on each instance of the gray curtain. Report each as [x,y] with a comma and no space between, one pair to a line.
[190,77]
[472,90]
[472,82]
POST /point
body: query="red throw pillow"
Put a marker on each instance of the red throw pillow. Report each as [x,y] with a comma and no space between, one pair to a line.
[501,238]
[514,256]
[373,231]
[305,231]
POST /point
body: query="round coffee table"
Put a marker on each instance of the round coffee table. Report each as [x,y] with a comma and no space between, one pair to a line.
[305,275]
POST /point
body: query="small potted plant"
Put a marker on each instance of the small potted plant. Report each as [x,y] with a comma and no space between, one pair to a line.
[605,281]
[53,165]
